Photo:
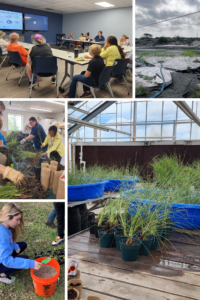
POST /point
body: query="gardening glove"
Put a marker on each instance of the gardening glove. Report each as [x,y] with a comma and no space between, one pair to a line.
[15,176]
[22,142]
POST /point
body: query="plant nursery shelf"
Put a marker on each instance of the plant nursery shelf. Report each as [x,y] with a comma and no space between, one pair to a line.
[171,273]
[99,202]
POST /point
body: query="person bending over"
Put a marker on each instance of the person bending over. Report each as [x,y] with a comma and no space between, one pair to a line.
[56,147]
[11,224]
[91,76]
[2,138]
[38,135]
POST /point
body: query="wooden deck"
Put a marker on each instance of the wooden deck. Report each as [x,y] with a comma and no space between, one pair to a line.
[10,88]
[171,273]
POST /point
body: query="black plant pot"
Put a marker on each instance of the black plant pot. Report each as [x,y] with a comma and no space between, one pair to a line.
[61,260]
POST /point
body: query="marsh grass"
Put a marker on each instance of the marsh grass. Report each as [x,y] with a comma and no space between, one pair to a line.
[99,173]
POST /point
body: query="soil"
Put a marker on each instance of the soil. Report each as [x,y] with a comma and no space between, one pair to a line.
[72,294]
[120,234]
[132,244]
[45,272]
[78,284]
[107,231]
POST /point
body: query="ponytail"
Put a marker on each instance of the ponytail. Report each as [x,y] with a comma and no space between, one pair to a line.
[113,41]
[123,55]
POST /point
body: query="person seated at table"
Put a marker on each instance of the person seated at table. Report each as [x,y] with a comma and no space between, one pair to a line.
[111,51]
[3,43]
[91,76]
[40,48]
[124,40]
[70,37]
[129,56]
[81,38]
[14,46]
[87,38]
[99,37]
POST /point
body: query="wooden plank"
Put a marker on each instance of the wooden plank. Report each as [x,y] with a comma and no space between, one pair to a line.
[169,254]
[126,285]
[85,293]
[143,264]
[142,268]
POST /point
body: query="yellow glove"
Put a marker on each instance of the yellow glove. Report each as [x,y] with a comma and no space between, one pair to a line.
[14,176]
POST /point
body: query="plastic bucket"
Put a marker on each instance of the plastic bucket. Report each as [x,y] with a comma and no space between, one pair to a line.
[46,287]
[146,246]
[130,252]
[106,239]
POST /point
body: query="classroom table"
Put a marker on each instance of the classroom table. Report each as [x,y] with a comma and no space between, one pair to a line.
[68,57]
[77,40]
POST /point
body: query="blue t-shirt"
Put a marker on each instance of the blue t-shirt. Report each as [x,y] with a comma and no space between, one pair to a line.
[40,135]
[99,38]
[2,138]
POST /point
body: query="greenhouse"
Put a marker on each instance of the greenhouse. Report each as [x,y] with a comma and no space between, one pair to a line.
[133,198]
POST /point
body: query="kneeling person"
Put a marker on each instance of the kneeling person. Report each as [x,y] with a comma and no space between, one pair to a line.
[89,77]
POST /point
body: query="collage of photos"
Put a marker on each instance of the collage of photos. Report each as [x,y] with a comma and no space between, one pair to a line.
[112,211]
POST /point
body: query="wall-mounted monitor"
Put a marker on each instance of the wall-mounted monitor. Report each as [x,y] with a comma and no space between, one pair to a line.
[35,22]
[11,20]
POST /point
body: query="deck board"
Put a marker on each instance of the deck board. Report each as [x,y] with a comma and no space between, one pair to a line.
[165,275]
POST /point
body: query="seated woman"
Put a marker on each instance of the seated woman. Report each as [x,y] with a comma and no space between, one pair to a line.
[81,38]
[41,48]
[2,138]
[87,38]
[124,40]
[89,77]
[111,51]
[56,147]
[11,224]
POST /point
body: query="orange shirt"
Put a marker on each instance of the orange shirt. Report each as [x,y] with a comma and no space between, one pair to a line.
[22,51]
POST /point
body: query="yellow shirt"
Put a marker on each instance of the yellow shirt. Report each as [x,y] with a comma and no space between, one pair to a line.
[110,54]
[57,144]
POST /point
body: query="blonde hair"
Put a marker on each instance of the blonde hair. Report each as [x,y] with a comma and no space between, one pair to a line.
[1,124]
[8,211]
[95,49]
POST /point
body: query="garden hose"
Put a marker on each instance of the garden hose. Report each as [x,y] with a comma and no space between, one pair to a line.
[162,86]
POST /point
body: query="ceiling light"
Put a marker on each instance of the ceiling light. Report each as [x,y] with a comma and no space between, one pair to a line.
[104,4]
[43,109]
[56,102]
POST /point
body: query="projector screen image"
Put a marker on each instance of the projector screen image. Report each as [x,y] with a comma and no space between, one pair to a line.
[11,20]
[33,22]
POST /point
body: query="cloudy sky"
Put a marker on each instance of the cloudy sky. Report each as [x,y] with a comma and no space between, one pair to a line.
[150,11]
[154,113]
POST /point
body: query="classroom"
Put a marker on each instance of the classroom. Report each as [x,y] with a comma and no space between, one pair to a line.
[78,49]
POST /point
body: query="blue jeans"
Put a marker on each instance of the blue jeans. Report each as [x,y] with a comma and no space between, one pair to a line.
[8,271]
[52,216]
[83,79]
